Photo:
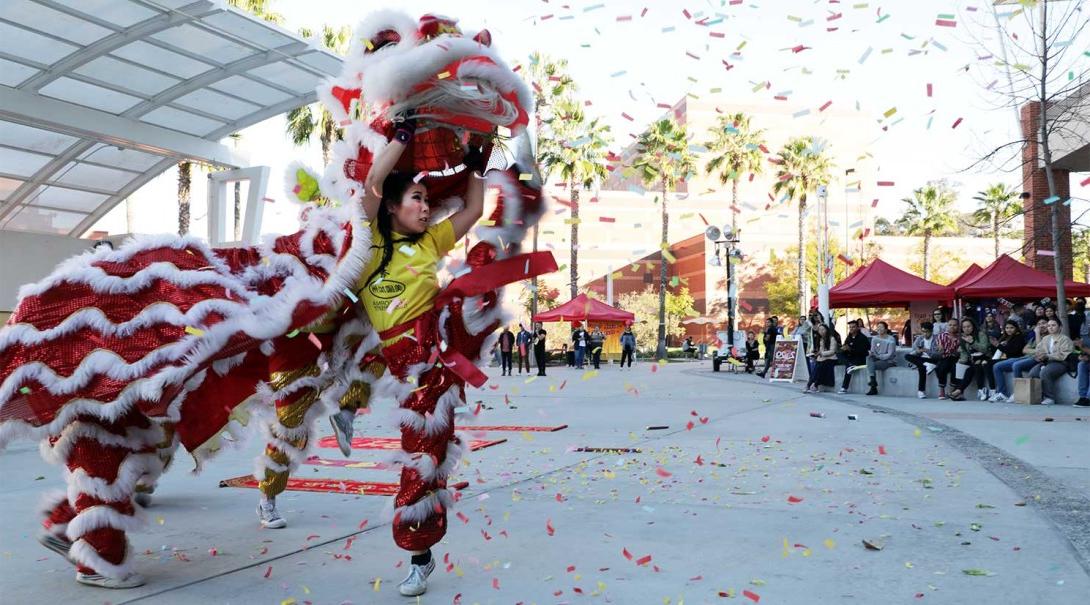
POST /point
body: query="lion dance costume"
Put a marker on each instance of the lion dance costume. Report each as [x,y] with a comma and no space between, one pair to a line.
[118,357]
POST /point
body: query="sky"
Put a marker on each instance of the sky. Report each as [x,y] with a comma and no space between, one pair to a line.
[923,85]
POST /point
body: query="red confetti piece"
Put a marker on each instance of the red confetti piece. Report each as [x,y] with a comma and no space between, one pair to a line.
[703,420]
[627,555]
[765,439]
[689,426]
[643,560]
[268,571]
[463,518]
[627,117]
[825,106]
[496,583]
[686,13]
[699,461]
[946,23]
[929,89]
[885,183]
[654,368]
[794,499]
[571,568]
[874,203]
[549,527]
[696,578]
[756,598]
[606,219]
[882,450]
[560,497]
[458,599]
[956,122]
[661,472]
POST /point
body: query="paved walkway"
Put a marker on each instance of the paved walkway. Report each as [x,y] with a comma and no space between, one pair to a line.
[744,494]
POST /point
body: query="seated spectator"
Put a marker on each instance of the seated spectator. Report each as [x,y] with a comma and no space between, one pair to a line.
[853,352]
[1009,350]
[991,328]
[972,352]
[753,351]
[1077,326]
[948,359]
[1051,357]
[1017,316]
[925,354]
[882,355]
[826,350]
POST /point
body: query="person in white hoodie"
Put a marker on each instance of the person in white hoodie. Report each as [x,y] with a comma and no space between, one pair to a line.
[883,354]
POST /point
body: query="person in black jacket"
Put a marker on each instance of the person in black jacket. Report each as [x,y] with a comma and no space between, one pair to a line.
[507,345]
[1010,346]
[753,351]
[770,333]
[853,353]
[1076,319]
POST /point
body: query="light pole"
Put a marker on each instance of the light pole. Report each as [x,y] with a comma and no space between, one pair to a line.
[725,240]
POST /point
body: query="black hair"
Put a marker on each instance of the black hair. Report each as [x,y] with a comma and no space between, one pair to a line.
[926,325]
[393,188]
[1011,322]
[882,323]
[972,322]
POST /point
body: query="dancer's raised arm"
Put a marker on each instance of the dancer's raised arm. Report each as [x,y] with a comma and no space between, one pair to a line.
[384,164]
[464,219]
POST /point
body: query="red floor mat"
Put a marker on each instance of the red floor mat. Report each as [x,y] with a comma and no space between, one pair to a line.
[393,443]
[336,486]
[514,428]
[356,464]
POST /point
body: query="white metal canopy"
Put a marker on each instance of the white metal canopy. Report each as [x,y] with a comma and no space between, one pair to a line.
[97,97]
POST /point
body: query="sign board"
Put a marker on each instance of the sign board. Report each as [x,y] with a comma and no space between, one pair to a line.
[785,358]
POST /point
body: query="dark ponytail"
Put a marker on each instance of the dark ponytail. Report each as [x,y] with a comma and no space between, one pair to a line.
[393,189]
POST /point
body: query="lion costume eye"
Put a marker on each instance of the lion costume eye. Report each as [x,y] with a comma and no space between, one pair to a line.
[382,39]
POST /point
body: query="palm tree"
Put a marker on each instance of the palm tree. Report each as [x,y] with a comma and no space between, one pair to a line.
[663,156]
[551,85]
[998,204]
[185,173]
[736,151]
[580,159]
[930,213]
[803,165]
[304,121]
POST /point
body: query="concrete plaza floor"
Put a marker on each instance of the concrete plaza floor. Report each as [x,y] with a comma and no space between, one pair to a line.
[745,497]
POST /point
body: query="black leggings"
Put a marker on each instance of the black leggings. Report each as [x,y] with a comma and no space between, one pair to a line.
[627,354]
[944,369]
[921,370]
[505,361]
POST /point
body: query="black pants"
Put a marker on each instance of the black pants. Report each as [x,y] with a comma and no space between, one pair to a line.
[769,354]
[751,361]
[984,374]
[977,369]
[540,356]
[505,362]
[524,358]
[848,361]
[921,371]
[627,353]
[944,369]
[597,357]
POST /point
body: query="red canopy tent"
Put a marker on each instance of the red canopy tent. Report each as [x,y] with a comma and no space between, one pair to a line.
[1008,278]
[582,308]
[880,284]
[968,275]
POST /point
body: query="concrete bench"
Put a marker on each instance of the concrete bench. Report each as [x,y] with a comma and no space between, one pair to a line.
[900,381]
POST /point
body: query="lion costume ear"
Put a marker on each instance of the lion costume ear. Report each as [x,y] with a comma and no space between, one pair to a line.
[484,38]
[338,96]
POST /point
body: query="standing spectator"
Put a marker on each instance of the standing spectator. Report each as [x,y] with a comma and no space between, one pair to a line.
[507,344]
[628,346]
[569,356]
[906,333]
[1051,357]
[770,333]
[539,349]
[925,354]
[1009,348]
[753,351]
[826,350]
[597,341]
[853,353]
[1076,321]
[579,343]
[1017,317]
[523,342]
[938,319]
[804,332]
[948,345]
[1029,316]
[991,328]
[882,355]
[972,351]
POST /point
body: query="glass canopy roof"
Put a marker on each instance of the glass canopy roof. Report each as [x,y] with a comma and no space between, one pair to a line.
[97,97]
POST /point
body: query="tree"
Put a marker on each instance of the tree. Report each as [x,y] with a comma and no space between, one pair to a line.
[579,155]
[997,205]
[304,121]
[548,298]
[883,226]
[783,287]
[946,264]
[644,304]
[802,166]
[185,181]
[1043,73]
[551,85]
[929,213]
[663,156]
[736,150]
[1080,253]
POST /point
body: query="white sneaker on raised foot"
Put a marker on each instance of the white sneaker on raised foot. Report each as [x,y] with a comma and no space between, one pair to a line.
[930,367]
[921,395]
[342,428]
[416,583]
[59,545]
[1048,401]
[94,579]
[270,518]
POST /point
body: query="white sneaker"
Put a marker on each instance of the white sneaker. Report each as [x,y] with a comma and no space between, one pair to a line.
[342,428]
[1048,401]
[842,390]
[95,579]
[997,397]
[59,545]
[416,583]
[982,394]
[857,368]
[921,395]
[930,367]
[270,518]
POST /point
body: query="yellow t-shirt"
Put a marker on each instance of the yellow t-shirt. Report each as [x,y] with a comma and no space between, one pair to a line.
[408,285]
